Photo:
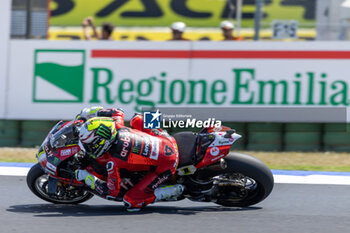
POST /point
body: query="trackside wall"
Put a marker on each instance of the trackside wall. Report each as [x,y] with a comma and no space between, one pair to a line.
[280,96]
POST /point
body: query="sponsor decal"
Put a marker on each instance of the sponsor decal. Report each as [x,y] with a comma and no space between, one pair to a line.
[66,152]
[197,13]
[126,144]
[70,151]
[111,184]
[188,170]
[56,161]
[51,166]
[217,129]
[155,148]
[220,140]
[59,78]
[137,144]
[224,141]
[219,157]
[214,151]
[146,146]
[122,149]
[158,181]
[49,171]
[168,151]
[109,166]
[126,184]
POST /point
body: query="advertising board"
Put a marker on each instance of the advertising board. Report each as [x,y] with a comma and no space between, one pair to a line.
[195,13]
[60,78]
[5,11]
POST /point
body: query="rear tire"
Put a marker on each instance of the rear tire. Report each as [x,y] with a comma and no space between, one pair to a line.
[35,173]
[249,167]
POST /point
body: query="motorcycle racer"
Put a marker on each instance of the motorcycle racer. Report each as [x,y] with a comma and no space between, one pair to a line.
[104,138]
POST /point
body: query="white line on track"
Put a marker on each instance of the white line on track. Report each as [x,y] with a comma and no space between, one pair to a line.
[313,179]
[14,171]
[284,179]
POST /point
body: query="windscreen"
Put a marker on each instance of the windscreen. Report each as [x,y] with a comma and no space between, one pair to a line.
[64,137]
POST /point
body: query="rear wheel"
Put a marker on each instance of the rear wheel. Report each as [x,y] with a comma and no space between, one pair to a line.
[37,182]
[244,182]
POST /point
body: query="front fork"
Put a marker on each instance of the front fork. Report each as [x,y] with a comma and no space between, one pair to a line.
[52,184]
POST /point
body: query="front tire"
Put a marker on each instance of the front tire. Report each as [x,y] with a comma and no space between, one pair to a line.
[36,182]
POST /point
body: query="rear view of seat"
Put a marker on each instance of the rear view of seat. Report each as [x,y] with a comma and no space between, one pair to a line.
[186,143]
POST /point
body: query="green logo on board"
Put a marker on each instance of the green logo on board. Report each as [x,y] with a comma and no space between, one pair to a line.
[59,76]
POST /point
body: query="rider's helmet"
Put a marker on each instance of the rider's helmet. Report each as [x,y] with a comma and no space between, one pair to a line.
[97,135]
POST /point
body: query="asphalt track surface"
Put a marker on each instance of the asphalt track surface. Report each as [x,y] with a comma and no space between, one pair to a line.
[290,208]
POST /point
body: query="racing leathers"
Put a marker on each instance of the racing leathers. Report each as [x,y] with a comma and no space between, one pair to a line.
[135,149]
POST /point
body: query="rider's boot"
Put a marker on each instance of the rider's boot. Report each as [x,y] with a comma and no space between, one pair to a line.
[168,193]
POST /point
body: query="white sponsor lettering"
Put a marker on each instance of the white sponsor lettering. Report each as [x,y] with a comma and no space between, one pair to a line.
[146,147]
[126,143]
[66,152]
[155,148]
[160,180]
[51,166]
[220,140]
[216,158]
[217,129]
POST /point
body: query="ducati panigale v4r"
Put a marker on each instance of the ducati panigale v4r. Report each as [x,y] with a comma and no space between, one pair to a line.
[208,172]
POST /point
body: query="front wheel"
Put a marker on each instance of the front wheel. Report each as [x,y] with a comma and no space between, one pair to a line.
[37,182]
[244,182]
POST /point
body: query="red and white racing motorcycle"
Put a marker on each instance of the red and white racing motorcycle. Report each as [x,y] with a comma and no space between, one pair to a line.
[206,169]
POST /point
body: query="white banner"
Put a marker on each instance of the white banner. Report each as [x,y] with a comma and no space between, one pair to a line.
[244,81]
[5,16]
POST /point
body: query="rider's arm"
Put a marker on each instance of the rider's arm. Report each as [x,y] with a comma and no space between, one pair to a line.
[116,113]
[136,122]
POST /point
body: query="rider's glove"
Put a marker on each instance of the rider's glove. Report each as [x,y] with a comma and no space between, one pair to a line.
[82,175]
[120,110]
[99,186]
